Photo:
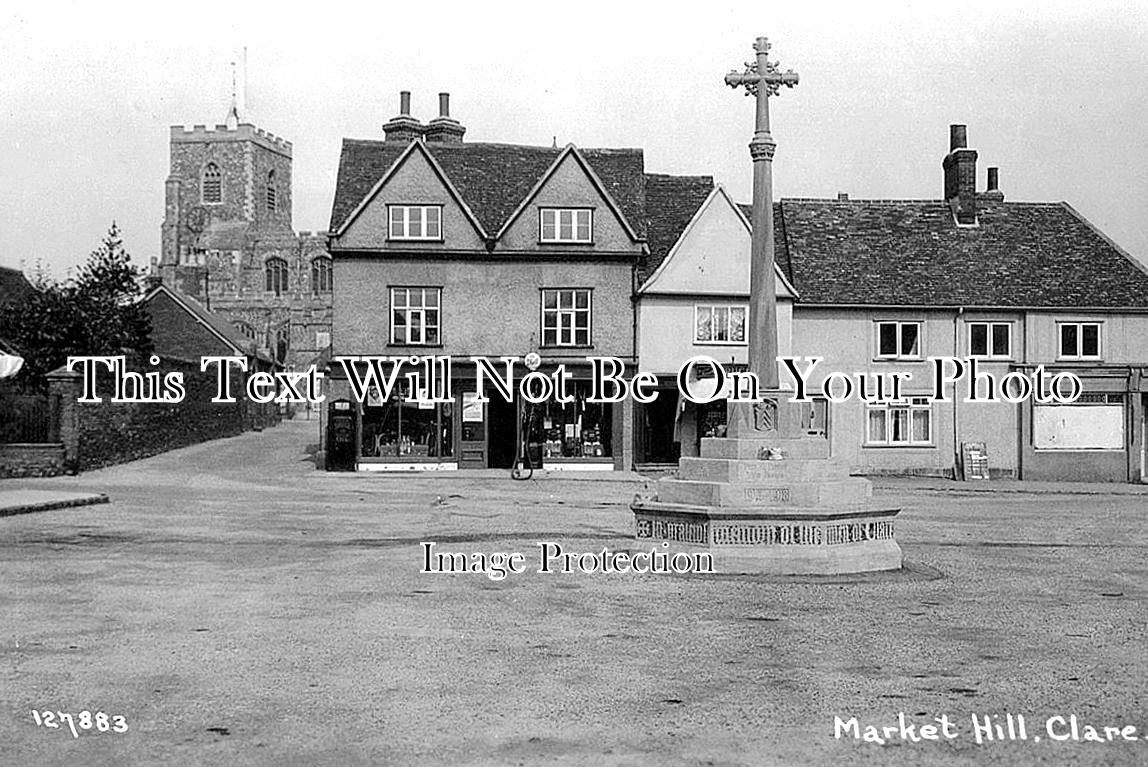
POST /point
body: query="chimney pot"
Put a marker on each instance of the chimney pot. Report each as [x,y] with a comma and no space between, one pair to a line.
[404,102]
[958,137]
[994,179]
[444,105]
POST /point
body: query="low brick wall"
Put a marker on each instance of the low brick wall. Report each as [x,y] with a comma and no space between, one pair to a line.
[95,434]
[112,432]
[28,460]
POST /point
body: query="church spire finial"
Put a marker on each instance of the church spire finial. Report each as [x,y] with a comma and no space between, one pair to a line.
[233,113]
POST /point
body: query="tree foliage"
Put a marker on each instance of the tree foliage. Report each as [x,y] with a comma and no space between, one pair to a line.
[96,312]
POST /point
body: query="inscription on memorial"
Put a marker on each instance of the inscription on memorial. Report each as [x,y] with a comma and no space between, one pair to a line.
[768,535]
[857,532]
[767,494]
[671,530]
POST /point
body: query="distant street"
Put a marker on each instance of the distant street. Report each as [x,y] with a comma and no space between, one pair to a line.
[236,606]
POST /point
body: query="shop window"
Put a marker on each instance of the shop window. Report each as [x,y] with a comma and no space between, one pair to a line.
[1094,422]
[577,429]
[900,424]
[398,428]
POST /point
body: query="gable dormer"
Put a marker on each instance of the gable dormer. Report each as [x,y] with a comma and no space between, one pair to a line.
[413,207]
[712,255]
[568,211]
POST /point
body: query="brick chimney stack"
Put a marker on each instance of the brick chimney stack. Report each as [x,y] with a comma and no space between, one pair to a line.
[960,166]
[403,127]
[444,129]
[993,191]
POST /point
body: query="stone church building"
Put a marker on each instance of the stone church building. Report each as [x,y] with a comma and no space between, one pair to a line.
[227,240]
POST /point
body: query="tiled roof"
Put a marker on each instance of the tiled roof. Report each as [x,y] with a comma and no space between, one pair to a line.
[671,202]
[13,285]
[910,253]
[493,179]
[212,320]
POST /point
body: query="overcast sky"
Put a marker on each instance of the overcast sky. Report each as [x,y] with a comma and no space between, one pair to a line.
[1052,92]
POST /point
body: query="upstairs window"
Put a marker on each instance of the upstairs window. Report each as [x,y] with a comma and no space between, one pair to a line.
[415,316]
[720,324]
[415,222]
[321,279]
[212,187]
[990,340]
[275,271]
[566,317]
[272,201]
[898,340]
[1079,340]
[565,225]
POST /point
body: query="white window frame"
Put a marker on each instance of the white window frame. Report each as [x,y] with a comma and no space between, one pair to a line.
[401,219]
[713,310]
[1080,355]
[910,406]
[899,354]
[564,320]
[574,219]
[990,326]
[416,315]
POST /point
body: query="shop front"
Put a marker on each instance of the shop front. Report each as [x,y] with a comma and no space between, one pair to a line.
[402,433]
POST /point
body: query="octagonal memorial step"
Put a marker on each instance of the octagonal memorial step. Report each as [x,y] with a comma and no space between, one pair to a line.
[753,470]
[753,449]
[848,492]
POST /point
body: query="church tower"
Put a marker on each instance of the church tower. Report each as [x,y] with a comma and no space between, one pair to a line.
[227,239]
[225,183]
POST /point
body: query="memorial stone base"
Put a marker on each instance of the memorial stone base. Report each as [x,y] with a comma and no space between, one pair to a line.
[777,505]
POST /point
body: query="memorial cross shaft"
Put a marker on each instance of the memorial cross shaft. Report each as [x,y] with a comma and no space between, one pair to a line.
[762,79]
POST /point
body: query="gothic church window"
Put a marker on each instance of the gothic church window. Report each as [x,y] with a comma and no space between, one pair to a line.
[245,329]
[320,275]
[276,273]
[271,193]
[282,344]
[212,189]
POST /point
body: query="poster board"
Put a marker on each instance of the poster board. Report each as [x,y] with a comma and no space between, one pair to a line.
[974,461]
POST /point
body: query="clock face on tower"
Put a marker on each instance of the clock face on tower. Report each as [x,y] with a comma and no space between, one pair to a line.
[196,219]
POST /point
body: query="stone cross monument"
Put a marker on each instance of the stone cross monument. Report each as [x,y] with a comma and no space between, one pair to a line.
[761,80]
[769,497]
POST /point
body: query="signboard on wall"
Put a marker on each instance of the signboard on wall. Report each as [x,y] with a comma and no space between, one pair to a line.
[471,408]
[1078,427]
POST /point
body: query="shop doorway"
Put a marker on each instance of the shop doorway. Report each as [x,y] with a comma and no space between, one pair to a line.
[502,432]
[658,429]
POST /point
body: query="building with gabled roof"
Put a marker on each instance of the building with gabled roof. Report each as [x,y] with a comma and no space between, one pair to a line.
[879,286]
[478,249]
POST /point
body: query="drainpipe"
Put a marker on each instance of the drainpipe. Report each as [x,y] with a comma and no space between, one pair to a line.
[956,398]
